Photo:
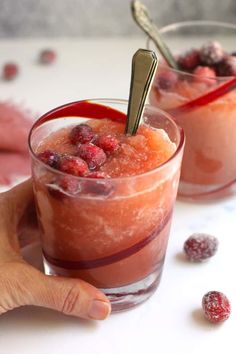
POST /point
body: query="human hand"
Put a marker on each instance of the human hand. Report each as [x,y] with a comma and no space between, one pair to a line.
[21,284]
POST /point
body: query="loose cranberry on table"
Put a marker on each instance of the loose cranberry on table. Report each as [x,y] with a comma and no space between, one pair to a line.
[47,56]
[10,71]
[216,306]
[199,247]
[92,154]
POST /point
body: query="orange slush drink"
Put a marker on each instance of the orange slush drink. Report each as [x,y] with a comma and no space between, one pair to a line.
[105,200]
[201,96]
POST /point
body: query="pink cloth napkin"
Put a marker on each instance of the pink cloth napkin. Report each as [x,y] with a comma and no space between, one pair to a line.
[15,124]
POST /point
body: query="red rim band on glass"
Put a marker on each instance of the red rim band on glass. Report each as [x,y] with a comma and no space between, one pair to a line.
[205,99]
[85,109]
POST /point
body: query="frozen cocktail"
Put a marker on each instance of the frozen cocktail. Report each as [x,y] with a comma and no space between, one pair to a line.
[201,95]
[105,199]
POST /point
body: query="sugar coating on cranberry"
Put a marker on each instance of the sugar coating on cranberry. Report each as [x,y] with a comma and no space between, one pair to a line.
[73,165]
[92,154]
[211,53]
[109,143]
[204,74]
[227,67]
[189,60]
[199,247]
[166,80]
[50,158]
[47,56]
[10,71]
[216,306]
[81,134]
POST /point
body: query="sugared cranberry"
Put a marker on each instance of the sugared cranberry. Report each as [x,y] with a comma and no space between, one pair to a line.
[166,80]
[204,74]
[49,157]
[216,306]
[109,143]
[211,53]
[73,165]
[92,154]
[81,134]
[227,67]
[190,60]
[47,56]
[10,71]
[199,247]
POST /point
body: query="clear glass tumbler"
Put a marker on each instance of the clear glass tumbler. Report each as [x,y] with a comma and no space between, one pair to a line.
[112,233]
[197,104]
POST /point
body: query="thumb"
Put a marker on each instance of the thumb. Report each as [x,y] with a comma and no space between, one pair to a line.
[72,297]
[69,296]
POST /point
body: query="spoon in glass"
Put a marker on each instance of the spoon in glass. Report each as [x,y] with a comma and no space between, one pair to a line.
[144,65]
[142,18]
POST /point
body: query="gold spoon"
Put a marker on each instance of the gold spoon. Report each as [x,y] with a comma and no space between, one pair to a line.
[142,18]
[144,65]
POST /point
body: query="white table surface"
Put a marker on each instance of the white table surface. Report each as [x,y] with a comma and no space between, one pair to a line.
[171,321]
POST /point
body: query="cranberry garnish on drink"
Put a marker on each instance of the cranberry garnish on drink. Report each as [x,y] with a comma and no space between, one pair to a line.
[105,198]
[81,134]
[92,154]
[73,165]
[50,158]
[201,97]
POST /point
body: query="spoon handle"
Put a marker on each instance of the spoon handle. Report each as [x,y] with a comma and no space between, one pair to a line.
[144,65]
[142,18]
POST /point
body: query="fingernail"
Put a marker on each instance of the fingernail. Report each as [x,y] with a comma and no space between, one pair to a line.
[99,310]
